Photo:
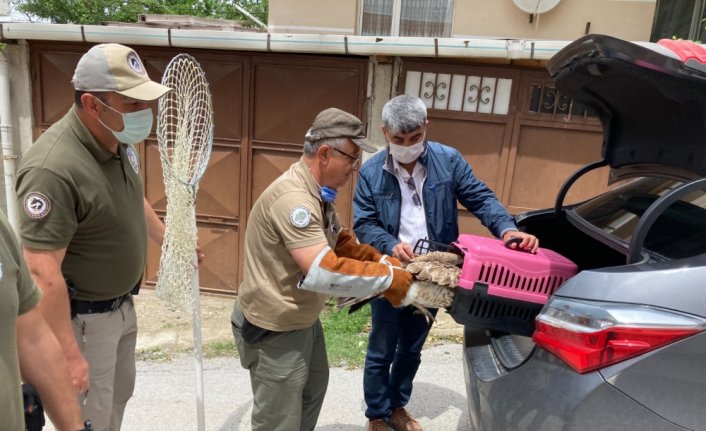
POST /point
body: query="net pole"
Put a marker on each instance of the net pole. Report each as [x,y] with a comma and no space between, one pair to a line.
[185,135]
[198,352]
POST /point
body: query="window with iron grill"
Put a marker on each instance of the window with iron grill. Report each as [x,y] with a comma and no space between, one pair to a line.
[424,18]
[465,93]
[549,104]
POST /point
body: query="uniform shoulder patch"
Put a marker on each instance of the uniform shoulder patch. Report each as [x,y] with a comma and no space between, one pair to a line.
[36,205]
[300,216]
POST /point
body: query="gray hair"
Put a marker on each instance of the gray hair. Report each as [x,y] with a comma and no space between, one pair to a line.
[310,147]
[403,114]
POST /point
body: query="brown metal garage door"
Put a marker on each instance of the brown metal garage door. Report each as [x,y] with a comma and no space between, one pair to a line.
[263,105]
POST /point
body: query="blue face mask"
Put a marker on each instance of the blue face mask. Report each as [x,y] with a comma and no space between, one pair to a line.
[327,194]
[136,125]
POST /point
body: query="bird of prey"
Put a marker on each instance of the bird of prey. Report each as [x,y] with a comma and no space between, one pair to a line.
[435,277]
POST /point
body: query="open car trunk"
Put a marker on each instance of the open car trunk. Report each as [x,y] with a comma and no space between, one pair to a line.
[649,98]
[559,234]
[493,352]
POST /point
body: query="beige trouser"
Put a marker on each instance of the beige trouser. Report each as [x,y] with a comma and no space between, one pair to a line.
[107,341]
[288,374]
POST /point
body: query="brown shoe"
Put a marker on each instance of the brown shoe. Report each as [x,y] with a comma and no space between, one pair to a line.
[402,421]
[377,425]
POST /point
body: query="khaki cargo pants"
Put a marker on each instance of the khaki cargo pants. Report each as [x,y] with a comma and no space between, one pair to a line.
[107,341]
[288,375]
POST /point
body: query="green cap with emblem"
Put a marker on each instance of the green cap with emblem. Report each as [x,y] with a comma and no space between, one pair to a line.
[336,123]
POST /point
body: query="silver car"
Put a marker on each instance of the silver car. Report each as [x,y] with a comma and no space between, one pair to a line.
[621,345]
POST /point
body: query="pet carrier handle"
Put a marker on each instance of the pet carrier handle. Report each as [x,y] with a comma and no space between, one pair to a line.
[516,241]
[423,246]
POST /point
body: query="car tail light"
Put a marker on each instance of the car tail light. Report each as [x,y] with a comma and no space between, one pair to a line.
[591,335]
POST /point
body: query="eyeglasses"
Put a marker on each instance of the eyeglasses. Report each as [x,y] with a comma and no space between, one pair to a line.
[356,160]
[413,188]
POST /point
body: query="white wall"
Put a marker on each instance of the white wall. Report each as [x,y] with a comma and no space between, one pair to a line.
[4,7]
[313,16]
[17,56]
[626,19]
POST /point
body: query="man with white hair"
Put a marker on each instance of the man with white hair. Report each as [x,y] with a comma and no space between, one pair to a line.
[405,193]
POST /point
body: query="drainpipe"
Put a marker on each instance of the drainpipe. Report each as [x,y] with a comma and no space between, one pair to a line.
[476,48]
[8,155]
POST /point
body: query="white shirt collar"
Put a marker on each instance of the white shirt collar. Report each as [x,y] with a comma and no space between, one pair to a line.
[413,223]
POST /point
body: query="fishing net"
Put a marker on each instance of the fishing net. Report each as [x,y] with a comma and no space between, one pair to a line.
[185,135]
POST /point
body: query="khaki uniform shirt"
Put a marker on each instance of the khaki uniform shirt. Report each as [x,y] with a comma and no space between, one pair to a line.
[76,195]
[17,295]
[288,215]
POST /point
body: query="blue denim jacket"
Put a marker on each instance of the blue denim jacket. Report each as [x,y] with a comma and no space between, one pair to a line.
[377,199]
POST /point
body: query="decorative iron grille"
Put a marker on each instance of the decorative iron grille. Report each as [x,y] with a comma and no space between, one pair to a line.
[464,93]
[548,103]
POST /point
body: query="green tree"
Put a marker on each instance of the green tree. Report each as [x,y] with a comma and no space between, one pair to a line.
[97,11]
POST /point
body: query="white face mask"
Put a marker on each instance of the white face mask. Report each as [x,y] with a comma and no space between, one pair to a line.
[407,154]
[136,125]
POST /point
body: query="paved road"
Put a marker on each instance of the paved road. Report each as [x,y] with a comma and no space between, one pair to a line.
[165,397]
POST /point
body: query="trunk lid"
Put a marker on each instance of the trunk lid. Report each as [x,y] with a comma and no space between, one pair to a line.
[644,95]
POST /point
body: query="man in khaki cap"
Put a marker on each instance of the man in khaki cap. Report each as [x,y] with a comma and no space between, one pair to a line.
[85,224]
[297,253]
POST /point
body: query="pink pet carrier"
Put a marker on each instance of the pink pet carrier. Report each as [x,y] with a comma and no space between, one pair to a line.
[500,288]
[511,273]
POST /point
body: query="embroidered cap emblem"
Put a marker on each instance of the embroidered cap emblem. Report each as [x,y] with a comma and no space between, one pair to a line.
[132,158]
[37,205]
[300,217]
[135,64]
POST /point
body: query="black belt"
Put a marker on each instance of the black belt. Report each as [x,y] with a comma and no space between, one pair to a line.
[92,307]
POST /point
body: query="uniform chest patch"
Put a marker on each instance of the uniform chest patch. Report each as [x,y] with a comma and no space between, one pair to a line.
[37,205]
[300,217]
[132,158]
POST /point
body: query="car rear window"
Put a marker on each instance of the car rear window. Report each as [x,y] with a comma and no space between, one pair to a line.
[680,231]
